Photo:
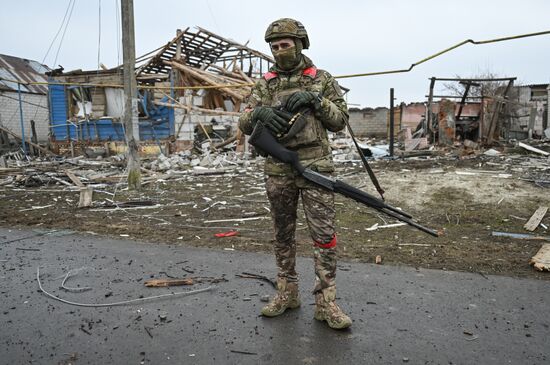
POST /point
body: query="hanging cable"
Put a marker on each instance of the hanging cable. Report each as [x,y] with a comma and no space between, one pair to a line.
[63,34]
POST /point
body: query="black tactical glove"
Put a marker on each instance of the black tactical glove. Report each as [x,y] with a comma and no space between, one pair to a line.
[301,99]
[275,120]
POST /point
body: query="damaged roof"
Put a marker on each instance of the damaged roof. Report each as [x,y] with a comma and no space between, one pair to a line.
[23,70]
[201,48]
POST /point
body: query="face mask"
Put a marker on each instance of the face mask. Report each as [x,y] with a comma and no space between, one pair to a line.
[287,59]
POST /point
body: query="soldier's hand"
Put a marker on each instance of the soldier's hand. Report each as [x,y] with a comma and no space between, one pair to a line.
[273,119]
[302,99]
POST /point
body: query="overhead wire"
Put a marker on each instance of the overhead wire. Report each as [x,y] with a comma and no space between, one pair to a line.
[63,34]
[238,85]
[49,49]
[443,52]
[58,31]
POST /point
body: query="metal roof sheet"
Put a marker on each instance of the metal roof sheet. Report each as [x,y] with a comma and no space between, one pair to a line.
[24,71]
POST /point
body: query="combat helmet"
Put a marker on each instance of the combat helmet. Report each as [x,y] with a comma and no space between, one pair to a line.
[286,27]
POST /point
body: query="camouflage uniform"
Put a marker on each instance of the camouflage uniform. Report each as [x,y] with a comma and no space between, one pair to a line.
[284,186]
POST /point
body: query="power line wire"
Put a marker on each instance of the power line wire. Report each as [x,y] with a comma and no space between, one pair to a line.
[63,35]
[217,86]
[58,31]
[51,45]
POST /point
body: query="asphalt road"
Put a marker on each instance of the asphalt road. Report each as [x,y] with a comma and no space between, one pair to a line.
[401,315]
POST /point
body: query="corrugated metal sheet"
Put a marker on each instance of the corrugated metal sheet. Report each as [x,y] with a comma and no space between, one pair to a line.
[58,112]
[22,70]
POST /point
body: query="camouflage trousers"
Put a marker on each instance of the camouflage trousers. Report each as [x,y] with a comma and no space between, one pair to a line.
[283,193]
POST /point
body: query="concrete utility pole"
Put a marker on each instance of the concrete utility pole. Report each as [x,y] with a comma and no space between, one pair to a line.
[131,123]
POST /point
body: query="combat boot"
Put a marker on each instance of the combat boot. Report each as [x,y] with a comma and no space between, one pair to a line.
[287,297]
[326,309]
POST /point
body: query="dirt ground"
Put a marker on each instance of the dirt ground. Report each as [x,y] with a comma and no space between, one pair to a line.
[465,198]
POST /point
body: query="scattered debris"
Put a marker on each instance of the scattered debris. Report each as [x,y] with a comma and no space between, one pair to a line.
[375,226]
[235,220]
[541,261]
[148,330]
[491,152]
[37,207]
[244,352]
[226,234]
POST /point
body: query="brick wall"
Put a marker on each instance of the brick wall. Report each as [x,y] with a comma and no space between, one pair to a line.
[369,122]
[10,117]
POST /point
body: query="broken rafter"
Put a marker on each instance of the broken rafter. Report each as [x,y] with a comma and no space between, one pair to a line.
[202,76]
[199,49]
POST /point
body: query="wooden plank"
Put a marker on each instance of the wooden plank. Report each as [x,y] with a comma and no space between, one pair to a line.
[533,149]
[541,261]
[74,179]
[86,195]
[535,219]
[156,283]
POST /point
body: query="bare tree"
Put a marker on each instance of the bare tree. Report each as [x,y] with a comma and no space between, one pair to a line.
[481,89]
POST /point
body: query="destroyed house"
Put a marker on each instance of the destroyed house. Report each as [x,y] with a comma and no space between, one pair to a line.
[529,112]
[178,90]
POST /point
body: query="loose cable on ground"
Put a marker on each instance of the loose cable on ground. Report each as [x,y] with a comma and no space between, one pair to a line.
[125,302]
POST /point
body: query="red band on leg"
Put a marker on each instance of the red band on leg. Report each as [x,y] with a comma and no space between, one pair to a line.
[330,244]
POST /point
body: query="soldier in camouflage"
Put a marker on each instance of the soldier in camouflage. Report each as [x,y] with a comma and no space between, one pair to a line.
[295,85]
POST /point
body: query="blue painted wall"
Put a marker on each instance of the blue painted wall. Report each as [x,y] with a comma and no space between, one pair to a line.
[158,125]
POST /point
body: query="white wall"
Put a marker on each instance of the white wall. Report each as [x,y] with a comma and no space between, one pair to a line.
[10,117]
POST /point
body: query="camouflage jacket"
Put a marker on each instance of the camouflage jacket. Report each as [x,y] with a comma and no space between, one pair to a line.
[311,143]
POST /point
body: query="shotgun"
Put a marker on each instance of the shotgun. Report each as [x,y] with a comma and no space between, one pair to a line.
[262,139]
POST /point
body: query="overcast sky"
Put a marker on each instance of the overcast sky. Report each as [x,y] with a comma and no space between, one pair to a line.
[346,36]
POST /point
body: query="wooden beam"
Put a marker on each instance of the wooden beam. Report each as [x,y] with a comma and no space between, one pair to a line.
[207,79]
